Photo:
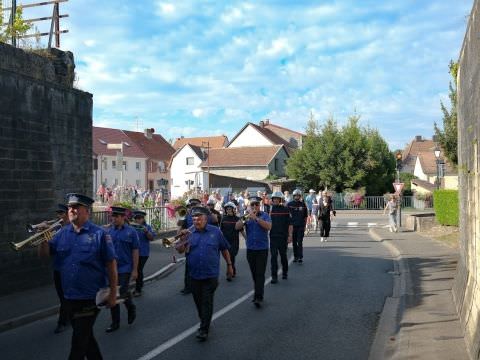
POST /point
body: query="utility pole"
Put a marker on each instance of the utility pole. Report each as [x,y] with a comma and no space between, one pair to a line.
[208,162]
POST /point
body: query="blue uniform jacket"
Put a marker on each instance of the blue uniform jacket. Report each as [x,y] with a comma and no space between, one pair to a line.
[81,259]
[125,240]
[203,257]
[144,243]
[257,237]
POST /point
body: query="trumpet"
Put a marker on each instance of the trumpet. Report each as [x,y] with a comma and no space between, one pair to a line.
[31,228]
[39,237]
[177,241]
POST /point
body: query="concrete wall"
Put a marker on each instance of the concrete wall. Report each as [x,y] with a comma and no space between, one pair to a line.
[244,172]
[45,152]
[466,289]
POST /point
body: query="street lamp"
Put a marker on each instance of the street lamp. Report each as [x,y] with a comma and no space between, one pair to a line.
[437,161]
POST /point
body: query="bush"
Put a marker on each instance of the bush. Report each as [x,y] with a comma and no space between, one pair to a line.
[445,204]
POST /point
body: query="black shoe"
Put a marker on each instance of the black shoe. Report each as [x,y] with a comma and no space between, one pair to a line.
[112,328]
[60,328]
[295,260]
[274,280]
[202,335]
[300,261]
[258,303]
[285,276]
[137,293]
[132,315]
[229,278]
[185,291]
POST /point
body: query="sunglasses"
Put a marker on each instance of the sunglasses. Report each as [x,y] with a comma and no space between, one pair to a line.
[255,203]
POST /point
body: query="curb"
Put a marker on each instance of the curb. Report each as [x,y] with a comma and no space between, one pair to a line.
[384,344]
[44,313]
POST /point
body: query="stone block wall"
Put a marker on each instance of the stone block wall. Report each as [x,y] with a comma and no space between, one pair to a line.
[45,152]
[466,290]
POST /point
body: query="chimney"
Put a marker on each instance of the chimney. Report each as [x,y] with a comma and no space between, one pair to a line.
[418,138]
[261,124]
[148,133]
[267,121]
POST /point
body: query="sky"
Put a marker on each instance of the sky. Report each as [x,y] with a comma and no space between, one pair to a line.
[198,68]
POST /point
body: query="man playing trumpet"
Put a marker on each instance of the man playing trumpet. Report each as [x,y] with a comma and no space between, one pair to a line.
[203,246]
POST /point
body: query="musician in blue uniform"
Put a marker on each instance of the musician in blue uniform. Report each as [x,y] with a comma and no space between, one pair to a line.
[86,257]
[125,240]
[231,225]
[186,224]
[145,235]
[203,246]
[298,210]
[257,226]
[280,235]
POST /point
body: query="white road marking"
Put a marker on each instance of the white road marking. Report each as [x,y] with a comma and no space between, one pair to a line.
[352,224]
[371,224]
[183,335]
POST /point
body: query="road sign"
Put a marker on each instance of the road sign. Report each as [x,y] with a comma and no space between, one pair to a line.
[398,187]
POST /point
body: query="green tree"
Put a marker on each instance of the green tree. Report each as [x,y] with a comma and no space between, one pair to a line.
[447,137]
[20,26]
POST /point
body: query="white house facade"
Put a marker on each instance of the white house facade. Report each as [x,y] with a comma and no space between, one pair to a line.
[250,136]
[133,172]
[185,171]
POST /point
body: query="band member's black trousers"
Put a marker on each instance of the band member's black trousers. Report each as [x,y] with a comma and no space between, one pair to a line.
[203,292]
[187,281]
[123,280]
[141,264]
[83,315]
[233,251]
[257,260]
[297,241]
[278,246]
[324,227]
[63,313]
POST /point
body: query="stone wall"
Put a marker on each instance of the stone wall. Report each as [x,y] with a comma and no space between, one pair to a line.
[45,152]
[466,289]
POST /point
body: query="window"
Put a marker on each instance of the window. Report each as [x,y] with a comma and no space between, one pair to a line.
[152,169]
[275,164]
[125,165]
[189,160]
[137,165]
[161,166]
[116,181]
[114,164]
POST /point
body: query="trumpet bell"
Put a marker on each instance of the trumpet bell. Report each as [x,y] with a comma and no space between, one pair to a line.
[168,242]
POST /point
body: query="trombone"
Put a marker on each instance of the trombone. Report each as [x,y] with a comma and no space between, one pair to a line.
[39,237]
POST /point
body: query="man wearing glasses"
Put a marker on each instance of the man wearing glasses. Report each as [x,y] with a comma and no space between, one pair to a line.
[257,225]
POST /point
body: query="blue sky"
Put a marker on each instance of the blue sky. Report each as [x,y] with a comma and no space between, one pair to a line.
[198,68]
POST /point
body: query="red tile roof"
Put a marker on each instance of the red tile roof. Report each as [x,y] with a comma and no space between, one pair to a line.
[155,148]
[424,149]
[273,127]
[213,141]
[103,136]
[241,156]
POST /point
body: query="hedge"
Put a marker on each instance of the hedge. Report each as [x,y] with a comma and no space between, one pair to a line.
[445,204]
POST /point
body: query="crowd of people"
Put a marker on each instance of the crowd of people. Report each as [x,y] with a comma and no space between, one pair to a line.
[135,195]
[90,260]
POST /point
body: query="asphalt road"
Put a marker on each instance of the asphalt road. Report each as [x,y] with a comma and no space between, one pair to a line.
[327,309]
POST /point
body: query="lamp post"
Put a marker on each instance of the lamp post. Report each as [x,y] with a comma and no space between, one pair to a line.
[398,160]
[208,162]
[437,161]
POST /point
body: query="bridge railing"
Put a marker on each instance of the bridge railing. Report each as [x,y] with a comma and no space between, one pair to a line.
[376,203]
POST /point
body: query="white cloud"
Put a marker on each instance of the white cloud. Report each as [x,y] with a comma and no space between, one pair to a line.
[165,8]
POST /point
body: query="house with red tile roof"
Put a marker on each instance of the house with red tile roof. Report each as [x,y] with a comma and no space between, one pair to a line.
[418,158]
[144,159]
[205,141]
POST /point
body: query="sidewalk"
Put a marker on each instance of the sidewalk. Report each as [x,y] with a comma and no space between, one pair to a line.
[27,306]
[419,321]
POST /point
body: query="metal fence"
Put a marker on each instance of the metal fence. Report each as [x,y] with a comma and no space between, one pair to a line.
[157,217]
[376,203]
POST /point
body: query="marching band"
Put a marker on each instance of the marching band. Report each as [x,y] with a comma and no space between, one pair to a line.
[85,255]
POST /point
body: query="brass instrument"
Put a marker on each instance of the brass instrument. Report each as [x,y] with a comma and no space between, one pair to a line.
[181,212]
[177,241]
[39,237]
[138,227]
[245,217]
[31,228]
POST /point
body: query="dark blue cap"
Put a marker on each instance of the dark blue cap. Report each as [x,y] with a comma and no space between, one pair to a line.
[136,213]
[118,210]
[200,210]
[193,202]
[79,199]
[61,208]
[254,199]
